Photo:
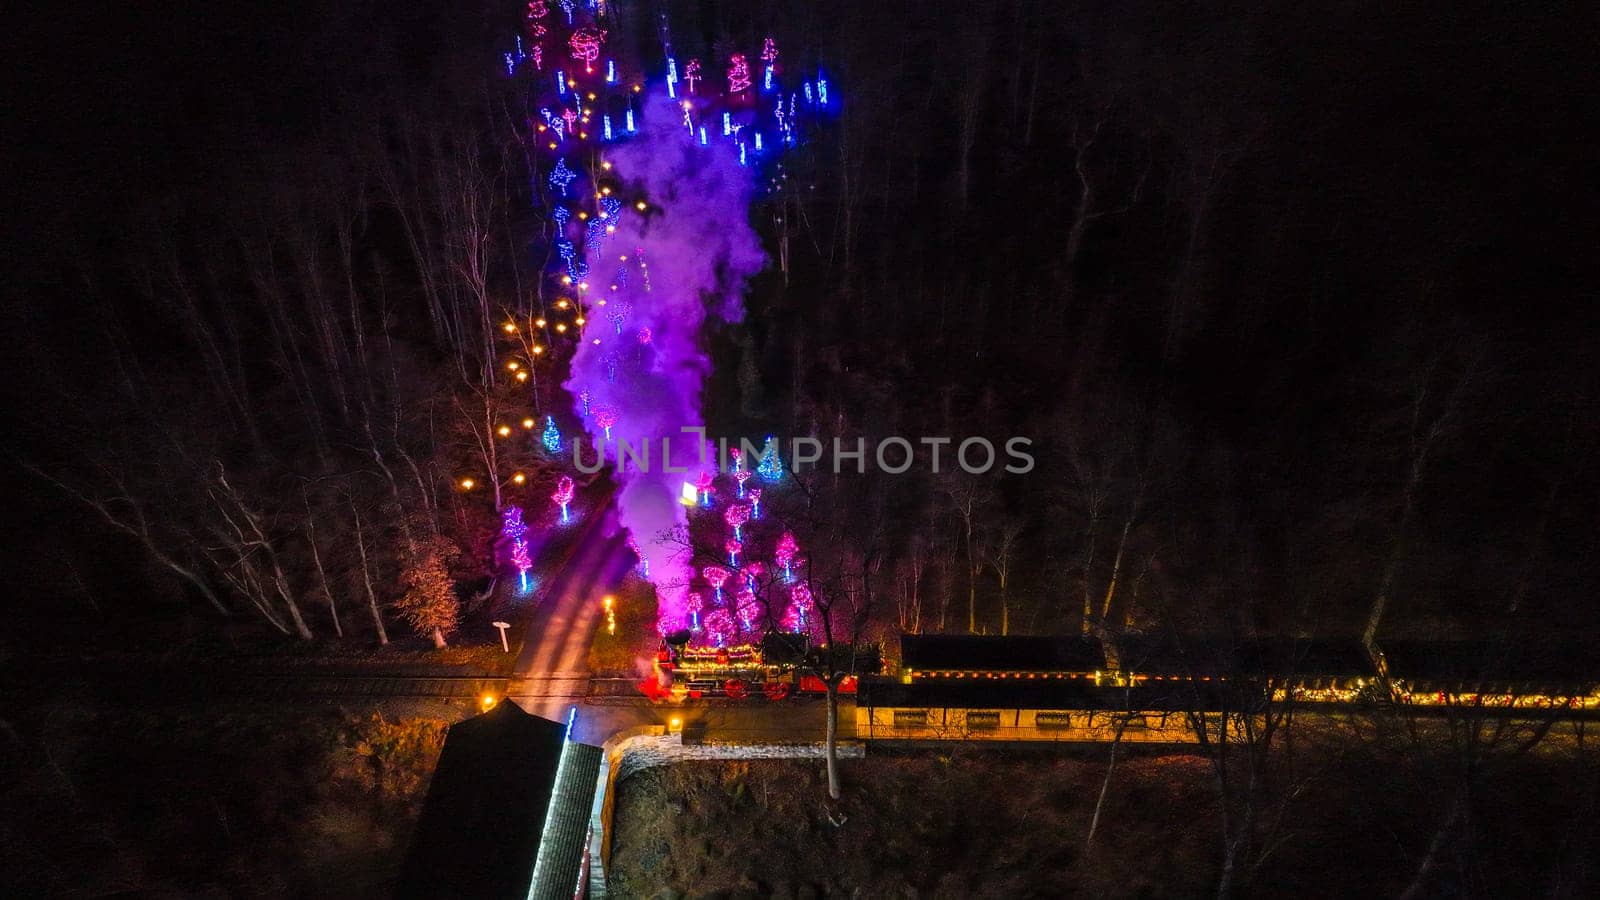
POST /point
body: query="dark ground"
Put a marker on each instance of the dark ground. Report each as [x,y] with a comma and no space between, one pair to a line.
[972,824]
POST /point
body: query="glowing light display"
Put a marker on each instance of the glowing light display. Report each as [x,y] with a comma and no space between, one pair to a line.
[631,137]
[563,495]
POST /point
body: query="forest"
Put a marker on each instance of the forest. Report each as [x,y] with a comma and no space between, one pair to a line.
[1289,303]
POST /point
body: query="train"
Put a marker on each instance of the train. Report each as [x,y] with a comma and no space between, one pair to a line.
[1160,672]
[781,666]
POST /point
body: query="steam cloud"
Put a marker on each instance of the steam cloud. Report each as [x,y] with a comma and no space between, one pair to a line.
[699,248]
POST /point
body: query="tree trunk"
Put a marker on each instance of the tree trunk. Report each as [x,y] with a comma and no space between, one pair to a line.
[366,579]
[438,640]
[322,579]
[1116,571]
[833,739]
[972,584]
[1105,786]
[1430,860]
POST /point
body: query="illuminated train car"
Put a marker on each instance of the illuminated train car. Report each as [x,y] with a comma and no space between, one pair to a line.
[1320,670]
[775,669]
[1149,688]
[1541,675]
[1071,689]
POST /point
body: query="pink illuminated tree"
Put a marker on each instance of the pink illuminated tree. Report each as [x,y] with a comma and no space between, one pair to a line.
[606,416]
[704,486]
[563,494]
[736,516]
[741,476]
[715,576]
[585,43]
[785,552]
[755,502]
[738,74]
[718,627]
[801,607]
[695,603]
[748,609]
[733,546]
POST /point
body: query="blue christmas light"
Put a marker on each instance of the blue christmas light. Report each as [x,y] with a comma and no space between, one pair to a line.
[766,80]
[630,120]
[672,78]
[808,93]
[561,82]
[561,214]
[771,466]
[741,154]
[611,71]
[822,89]
[552,436]
[561,176]
[511,64]
[727,124]
[702,135]
[758,141]
[606,121]
[610,209]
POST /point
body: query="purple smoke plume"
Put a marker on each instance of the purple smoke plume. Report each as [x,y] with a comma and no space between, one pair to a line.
[684,258]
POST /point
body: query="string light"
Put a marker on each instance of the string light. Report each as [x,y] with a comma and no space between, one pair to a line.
[561,176]
[715,576]
[738,74]
[605,417]
[515,531]
[771,466]
[563,495]
[785,553]
[585,44]
[551,438]
[736,515]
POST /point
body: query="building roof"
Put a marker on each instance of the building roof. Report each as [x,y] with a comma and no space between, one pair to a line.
[1520,662]
[482,823]
[1168,654]
[985,653]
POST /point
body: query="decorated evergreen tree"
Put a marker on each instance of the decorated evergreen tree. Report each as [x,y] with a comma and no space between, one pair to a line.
[429,604]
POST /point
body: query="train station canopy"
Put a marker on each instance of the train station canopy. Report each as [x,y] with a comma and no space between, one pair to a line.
[507,812]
